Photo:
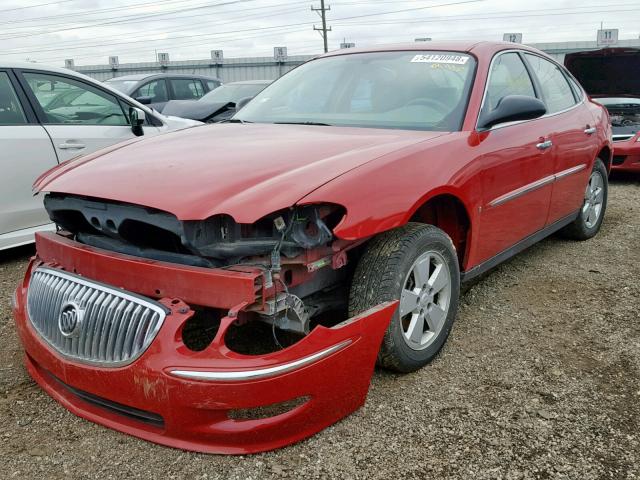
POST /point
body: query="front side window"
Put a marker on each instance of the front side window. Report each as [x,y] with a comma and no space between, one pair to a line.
[10,109]
[187,88]
[67,101]
[556,91]
[407,90]
[156,90]
[508,76]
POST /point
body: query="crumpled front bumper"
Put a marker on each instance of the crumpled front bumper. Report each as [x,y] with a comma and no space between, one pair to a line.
[215,400]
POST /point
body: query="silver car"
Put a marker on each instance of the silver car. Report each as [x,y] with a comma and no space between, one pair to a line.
[49,115]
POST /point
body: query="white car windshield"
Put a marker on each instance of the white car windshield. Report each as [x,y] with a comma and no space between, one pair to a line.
[407,90]
[232,93]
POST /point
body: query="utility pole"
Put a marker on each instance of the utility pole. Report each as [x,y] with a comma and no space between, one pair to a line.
[322,11]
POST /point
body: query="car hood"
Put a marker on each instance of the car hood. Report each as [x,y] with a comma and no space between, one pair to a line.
[607,72]
[243,170]
[194,109]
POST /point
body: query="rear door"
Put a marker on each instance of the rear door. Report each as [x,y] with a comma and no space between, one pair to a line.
[572,130]
[517,164]
[25,153]
[186,88]
[79,117]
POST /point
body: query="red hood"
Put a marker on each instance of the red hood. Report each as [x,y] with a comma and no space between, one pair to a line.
[246,171]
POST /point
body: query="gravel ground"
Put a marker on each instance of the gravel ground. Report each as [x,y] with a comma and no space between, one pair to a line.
[539,379]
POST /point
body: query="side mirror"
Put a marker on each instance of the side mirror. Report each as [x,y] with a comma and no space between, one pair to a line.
[512,108]
[144,100]
[242,102]
[137,118]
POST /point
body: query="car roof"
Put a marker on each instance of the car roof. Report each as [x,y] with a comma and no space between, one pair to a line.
[144,76]
[477,47]
[37,66]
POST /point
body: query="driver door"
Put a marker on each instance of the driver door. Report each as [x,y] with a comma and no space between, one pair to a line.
[79,117]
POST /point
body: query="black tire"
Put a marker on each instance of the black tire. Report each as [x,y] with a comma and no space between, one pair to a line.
[580,228]
[380,276]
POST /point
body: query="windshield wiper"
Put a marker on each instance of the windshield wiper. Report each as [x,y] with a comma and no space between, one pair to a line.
[304,123]
[234,120]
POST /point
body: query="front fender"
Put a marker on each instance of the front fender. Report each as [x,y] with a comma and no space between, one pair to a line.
[386,193]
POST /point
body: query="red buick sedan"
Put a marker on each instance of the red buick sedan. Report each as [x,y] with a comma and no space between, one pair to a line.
[229,288]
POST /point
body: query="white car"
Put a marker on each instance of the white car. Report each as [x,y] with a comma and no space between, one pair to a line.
[49,115]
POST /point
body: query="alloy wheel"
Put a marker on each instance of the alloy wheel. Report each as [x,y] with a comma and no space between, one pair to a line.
[593,199]
[425,300]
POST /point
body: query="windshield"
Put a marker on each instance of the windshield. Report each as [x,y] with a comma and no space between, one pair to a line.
[232,93]
[123,86]
[406,90]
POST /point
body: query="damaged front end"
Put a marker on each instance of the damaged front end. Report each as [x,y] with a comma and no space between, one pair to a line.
[625,119]
[204,335]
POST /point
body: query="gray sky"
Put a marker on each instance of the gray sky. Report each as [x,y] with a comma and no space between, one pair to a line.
[90,30]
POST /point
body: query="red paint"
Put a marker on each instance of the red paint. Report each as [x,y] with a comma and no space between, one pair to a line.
[195,413]
[381,178]
[630,150]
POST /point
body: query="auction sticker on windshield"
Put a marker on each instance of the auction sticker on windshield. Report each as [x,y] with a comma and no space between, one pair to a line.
[440,58]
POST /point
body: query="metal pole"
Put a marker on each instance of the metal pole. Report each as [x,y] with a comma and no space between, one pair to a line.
[323,15]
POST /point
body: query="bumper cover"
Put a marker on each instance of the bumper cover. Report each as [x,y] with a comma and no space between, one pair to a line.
[189,400]
[626,156]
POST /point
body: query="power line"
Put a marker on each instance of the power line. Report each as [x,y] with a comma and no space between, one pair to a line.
[322,11]
[476,18]
[199,42]
[79,46]
[84,13]
[273,27]
[120,20]
[33,6]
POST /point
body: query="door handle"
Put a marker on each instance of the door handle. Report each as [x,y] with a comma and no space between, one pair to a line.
[590,130]
[544,145]
[71,146]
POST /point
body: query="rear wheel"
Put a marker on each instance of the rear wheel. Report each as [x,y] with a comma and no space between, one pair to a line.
[417,265]
[593,208]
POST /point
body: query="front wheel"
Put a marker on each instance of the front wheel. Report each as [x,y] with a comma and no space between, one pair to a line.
[591,215]
[417,265]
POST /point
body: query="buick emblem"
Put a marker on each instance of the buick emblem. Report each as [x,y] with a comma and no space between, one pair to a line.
[70,319]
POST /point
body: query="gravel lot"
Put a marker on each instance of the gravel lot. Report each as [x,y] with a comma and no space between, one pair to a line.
[540,379]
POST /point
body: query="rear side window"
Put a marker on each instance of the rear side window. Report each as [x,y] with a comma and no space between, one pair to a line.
[10,109]
[156,90]
[186,88]
[556,91]
[508,76]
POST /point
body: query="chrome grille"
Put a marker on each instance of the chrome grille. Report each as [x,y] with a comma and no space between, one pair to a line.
[114,326]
